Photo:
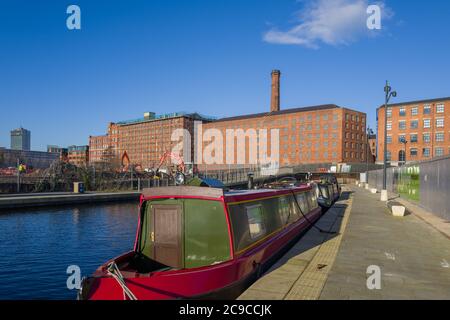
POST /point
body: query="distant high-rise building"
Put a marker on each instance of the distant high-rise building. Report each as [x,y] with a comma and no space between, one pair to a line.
[20,139]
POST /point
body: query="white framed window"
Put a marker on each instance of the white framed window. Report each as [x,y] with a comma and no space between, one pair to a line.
[440,108]
[389,126]
[402,112]
[426,138]
[426,152]
[439,152]
[402,125]
[440,123]
[440,136]
[389,112]
[427,109]
[427,123]
[414,111]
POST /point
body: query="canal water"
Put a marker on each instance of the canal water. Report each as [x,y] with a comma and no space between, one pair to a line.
[37,246]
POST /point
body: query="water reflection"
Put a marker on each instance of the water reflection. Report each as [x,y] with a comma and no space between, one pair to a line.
[38,245]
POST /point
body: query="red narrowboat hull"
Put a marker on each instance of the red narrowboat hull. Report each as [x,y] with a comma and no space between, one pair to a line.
[226,280]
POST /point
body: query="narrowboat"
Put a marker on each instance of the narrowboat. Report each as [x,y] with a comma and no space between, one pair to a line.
[204,243]
[328,191]
[329,178]
[324,194]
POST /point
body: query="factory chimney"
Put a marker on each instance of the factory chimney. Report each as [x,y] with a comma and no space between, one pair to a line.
[275,98]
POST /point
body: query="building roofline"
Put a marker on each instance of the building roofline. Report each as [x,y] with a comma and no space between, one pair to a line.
[414,102]
[173,115]
[285,111]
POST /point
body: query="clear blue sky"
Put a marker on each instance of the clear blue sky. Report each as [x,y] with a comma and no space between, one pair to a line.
[206,56]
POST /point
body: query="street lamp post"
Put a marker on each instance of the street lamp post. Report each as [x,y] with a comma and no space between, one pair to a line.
[368,152]
[388,94]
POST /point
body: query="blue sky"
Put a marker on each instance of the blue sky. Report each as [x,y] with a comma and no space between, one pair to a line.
[213,57]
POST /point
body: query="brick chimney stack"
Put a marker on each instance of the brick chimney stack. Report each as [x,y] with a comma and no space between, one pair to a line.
[275,98]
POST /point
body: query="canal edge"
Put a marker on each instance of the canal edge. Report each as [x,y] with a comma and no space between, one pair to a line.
[311,281]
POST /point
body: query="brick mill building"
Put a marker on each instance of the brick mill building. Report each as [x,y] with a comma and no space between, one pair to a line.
[310,135]
[141,142]
[424,125]
[325,134]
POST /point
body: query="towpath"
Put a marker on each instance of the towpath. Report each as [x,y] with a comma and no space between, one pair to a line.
[411,256]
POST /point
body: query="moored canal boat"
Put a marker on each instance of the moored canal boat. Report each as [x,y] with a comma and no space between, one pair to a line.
[328,190]
[199,242]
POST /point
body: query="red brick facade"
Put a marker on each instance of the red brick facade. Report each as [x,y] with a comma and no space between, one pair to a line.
[322,134]
[425,125]
[312,135]
[141,143]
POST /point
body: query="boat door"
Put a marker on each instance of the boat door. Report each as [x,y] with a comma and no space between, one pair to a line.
[166,234]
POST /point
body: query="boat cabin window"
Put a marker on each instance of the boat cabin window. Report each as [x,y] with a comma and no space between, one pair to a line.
[331,191]
[284,210]
[302,202]
[317,189]
[312,200]
[324,191]
[255,221]
[335,189]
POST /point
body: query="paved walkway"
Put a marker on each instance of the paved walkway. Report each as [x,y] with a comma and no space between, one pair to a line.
[437,222]
[301,273]
[414,257]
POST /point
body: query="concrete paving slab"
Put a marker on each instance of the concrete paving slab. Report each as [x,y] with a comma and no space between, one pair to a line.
[407,250]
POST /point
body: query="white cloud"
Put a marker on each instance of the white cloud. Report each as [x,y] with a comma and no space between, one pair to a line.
[331,22]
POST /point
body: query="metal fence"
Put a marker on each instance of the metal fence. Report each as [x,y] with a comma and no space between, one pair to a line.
[425,183]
